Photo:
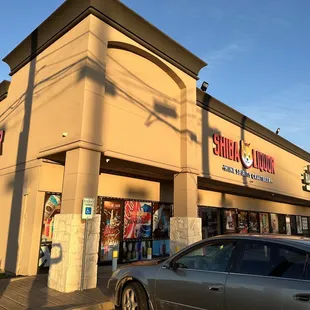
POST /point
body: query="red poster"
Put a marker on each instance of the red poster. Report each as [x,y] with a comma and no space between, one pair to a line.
[137,220]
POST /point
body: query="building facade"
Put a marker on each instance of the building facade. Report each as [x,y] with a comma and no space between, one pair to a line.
[103,105]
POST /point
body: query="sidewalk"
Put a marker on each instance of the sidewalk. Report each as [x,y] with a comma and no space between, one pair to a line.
[33,293]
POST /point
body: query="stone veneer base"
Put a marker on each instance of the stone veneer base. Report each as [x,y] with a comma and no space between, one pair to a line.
[183,232]
[65,273]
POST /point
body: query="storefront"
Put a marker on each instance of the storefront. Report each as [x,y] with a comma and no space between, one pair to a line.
[103,105]
[225,221]
[131,227]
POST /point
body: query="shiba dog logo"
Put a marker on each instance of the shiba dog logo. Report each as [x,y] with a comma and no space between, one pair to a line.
[246,154]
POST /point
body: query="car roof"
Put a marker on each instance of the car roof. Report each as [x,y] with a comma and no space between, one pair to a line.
[299,241]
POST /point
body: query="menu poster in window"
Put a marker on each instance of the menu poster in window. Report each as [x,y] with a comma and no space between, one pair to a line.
[230,221]
[288,225]
[243,222]
[110,233]
[253,222]
[161,220]
[304,221]
[264,223]
[137,220]
[299,224]
[274,223]
[51,208]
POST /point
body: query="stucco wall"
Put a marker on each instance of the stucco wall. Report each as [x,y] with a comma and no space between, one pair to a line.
[222,200]
[139,97]
[44,100]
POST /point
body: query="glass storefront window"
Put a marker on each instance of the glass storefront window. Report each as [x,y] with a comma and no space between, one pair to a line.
[299,225]
[161,229]
[110,229]
[274,223]
[264,223]
[282,224]
[52,205]
[243,226]
[210,218]
[230,221]
[253,222]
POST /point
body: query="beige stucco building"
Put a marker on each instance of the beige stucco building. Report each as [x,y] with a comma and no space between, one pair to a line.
[103,104]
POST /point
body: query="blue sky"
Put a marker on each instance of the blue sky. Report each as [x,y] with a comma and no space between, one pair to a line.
[257,51]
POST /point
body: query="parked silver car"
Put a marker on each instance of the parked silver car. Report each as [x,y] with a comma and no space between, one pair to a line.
[230,272]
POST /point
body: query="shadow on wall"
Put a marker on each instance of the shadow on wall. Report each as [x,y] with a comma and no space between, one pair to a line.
[226,202]
[95,70]
[11,262]
[206,136]
[136,193]
[242,128]
[160,111]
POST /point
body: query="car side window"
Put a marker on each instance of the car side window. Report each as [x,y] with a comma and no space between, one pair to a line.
[210,257]
[273,260]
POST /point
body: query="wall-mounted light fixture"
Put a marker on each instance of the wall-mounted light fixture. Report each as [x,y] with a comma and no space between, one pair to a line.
[204,86]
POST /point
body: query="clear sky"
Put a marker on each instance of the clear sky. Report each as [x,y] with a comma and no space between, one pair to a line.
[257,51]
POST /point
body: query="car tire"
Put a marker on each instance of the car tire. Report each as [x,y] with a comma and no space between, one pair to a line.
[134,297]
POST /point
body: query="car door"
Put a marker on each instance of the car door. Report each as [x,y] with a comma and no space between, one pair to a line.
[268,276]
[196,278]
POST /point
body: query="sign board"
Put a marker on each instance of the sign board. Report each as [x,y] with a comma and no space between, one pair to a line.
[242,151]
[88,208]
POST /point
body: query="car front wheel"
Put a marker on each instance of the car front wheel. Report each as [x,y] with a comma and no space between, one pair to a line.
[134,297]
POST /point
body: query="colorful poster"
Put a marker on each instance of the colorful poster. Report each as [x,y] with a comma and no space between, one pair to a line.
[264,223]
[137,220]
[274,223]
[161,220]
[253,222]
[288,225]
[51,208]
[110,234]
[230,221]
[299,224]
[243,226]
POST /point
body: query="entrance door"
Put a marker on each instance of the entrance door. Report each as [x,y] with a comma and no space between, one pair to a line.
[210,218]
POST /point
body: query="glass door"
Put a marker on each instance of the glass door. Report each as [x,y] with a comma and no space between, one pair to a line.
[210,218]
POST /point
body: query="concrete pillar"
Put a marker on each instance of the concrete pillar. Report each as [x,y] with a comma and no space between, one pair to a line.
[185,226]
[74,266]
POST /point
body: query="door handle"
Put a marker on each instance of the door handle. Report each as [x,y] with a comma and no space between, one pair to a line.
[302,297]
[215,288]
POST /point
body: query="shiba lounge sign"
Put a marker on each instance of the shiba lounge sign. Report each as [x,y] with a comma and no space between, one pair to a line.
[249,157]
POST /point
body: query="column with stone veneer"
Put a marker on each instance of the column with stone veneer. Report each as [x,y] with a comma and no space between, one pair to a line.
[74,267]
[185,226]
